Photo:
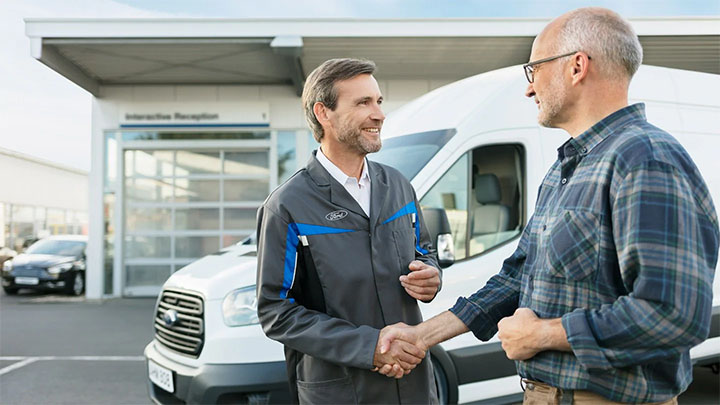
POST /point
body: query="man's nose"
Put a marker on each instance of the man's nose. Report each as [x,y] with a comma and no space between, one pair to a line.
[377,113]
[530,91]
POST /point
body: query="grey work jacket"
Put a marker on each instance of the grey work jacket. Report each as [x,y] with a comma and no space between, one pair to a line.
[328,282]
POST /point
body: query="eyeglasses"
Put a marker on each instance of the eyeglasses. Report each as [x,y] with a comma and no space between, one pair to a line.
[530,66]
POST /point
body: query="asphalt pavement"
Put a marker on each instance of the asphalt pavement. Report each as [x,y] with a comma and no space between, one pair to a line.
[63,350]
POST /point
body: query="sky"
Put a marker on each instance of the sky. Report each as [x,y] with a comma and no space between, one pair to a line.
[44,115]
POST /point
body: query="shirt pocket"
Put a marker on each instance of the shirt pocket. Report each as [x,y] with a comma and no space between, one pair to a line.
[404,240]
[573,245]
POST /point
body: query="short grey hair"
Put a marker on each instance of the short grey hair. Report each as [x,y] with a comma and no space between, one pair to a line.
[320,86]
[603,34]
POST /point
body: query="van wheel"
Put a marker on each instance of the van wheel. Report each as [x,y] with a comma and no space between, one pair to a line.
[441,382]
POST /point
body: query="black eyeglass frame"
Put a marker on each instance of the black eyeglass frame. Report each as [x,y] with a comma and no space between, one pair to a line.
[528,67]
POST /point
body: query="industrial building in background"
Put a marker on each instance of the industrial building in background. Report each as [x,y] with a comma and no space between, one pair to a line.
[39,199]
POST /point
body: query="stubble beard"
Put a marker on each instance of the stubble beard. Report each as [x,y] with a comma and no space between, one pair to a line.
[553,103]
[354,138]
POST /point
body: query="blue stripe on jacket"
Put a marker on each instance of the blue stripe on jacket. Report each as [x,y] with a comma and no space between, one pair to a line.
[410,208]
[291,242]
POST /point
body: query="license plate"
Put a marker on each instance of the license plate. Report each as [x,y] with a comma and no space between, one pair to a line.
[27,280]
[161,376]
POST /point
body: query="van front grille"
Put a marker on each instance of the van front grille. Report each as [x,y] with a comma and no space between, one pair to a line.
[179,322]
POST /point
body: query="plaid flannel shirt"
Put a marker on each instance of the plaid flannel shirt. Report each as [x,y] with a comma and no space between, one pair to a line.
[622,246]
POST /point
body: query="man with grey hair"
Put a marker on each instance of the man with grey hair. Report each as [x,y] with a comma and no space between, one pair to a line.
[343,252]
[611,283]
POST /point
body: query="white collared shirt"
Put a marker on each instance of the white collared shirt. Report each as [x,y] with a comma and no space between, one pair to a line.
[359,190]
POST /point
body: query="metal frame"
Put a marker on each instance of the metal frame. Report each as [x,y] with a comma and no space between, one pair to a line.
[121,205]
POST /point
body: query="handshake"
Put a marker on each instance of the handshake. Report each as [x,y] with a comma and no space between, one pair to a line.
[400,349]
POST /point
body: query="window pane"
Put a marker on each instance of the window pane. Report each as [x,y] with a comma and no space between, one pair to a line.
[148,163]
[110,163]
[195,246]
[197,219]
[286,155]
[141,189]
[56,221]
[147,246]
[187,190]
[257,163]
[109,231]
[450,193]
[148,219]
[246,190]
[189,162]
[495,208]
[146,275]
[240,218]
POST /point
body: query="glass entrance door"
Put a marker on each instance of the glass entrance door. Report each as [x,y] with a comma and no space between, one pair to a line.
[182,204]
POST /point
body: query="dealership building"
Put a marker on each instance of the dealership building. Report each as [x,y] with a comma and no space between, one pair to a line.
[195,121]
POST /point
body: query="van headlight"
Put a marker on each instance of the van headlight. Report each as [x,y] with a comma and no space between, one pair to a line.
[239,307]
[8,266]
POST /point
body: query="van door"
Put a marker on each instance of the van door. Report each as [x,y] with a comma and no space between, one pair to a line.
[483,190]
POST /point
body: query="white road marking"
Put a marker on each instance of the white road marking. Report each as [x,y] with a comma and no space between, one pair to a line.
[17,365]
[23,361]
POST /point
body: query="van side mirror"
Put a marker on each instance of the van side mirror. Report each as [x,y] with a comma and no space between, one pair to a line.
[438,226]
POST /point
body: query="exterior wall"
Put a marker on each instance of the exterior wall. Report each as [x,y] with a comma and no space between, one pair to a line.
[285,113]
[31,181]
[39,198]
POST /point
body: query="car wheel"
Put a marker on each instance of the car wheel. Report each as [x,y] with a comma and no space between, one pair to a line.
[441,382]
[77,287]
[10,290]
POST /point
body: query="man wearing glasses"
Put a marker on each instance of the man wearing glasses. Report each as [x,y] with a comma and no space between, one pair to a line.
[611,283]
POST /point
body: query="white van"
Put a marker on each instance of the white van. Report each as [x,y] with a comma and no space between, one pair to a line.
[472,148]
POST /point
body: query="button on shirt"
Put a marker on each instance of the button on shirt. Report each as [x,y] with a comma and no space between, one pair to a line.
[622,246]
[359,190]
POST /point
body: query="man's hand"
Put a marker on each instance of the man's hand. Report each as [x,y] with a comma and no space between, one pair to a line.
[405,337]
[423,281]
[395,357]
[523,335]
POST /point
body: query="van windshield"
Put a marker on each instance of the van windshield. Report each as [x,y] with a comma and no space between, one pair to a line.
[409,153]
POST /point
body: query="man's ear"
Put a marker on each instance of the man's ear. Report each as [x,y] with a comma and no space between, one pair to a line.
[580,67]
[321,113]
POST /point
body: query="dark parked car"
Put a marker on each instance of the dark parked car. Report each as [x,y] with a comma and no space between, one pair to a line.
[53,263]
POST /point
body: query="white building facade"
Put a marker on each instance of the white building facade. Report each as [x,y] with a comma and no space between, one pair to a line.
[194,122]
[40,198]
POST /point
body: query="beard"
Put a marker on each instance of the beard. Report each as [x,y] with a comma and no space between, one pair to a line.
[353,137]
[552,104]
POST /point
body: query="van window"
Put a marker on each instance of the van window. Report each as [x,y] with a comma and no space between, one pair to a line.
[482,194]
[496,196]
[451,194]
[409,153]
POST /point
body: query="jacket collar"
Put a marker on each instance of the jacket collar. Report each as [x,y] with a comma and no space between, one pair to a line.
[336,191]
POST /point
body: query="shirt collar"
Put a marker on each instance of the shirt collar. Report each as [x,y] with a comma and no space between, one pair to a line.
[338,174]
[585,142]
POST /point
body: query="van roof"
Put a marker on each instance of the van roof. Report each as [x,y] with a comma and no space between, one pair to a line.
[495,100]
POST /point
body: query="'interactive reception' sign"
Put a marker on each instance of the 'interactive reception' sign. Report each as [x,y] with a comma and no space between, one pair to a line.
[184,115]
